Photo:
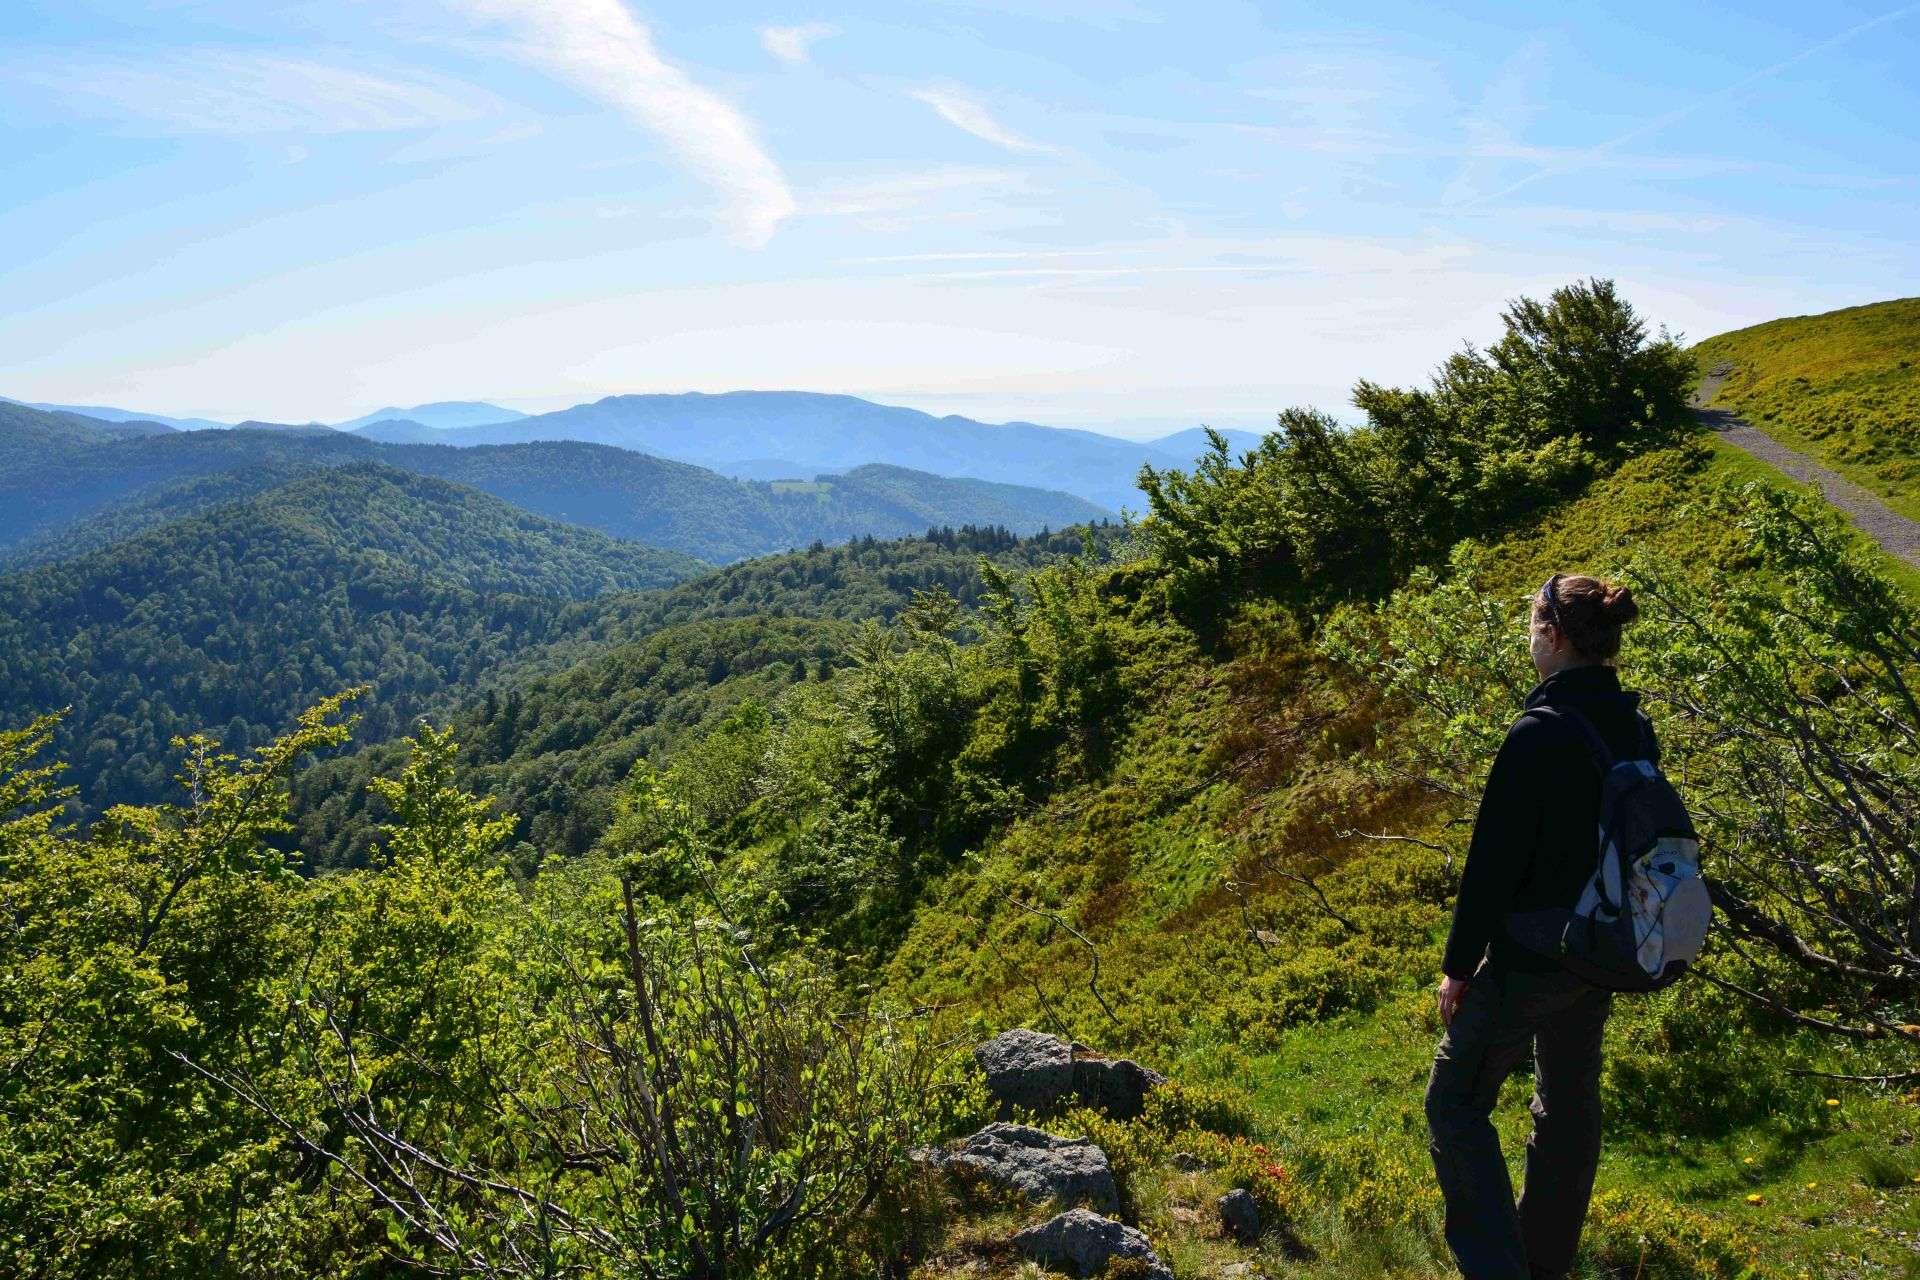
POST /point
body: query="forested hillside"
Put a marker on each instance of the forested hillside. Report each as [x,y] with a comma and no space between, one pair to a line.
[647,673]
[236,619]
[171,500]
[1198,793]
[672,504]
[55,484]
[28,434]
[107,413]
[76,485]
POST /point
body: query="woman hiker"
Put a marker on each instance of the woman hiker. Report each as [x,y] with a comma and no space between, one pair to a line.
[1534,847]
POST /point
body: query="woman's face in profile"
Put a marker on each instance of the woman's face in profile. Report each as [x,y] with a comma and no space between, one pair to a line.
[1541,646]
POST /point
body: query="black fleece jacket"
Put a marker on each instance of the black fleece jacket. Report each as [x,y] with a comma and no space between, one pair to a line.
[1536,840]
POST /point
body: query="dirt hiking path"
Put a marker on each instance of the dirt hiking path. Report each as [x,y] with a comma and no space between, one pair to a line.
[1897,534]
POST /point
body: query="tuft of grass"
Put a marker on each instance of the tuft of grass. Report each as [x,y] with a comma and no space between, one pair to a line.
[1886,1169]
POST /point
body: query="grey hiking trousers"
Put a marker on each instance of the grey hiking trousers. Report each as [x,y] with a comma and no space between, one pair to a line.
[1559,1018]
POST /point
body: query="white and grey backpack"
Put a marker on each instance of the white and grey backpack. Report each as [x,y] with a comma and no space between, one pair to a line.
[1646,911]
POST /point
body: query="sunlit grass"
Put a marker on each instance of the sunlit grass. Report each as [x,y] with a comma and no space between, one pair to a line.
[1843,387]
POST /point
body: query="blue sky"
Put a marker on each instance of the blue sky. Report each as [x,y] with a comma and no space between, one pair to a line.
[1130,215]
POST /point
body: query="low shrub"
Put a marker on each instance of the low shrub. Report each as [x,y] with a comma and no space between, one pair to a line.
[1131,1149]
[1307,987]
[1257,1169]
[1634,1234]
[1372,1185]
[1176,1108]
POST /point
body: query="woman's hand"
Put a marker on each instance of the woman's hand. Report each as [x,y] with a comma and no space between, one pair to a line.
[1452,992]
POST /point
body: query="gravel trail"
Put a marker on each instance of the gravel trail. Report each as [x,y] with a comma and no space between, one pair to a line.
[1897,534]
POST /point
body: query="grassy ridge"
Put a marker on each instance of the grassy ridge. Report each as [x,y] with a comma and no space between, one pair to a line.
[1842,387]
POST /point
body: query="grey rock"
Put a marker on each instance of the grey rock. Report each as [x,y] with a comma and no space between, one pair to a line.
[1026,1068]
[1187,1162]
[1082,1243]
[1040,1072]
[1240,1216]
[1040,1165]
[1117,1086]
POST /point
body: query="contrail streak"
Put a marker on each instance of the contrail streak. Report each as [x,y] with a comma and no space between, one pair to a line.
[1679,114]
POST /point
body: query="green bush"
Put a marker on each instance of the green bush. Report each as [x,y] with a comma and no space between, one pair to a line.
[1333,513]
[1639,1235]
[1306,987]
[1175,1108]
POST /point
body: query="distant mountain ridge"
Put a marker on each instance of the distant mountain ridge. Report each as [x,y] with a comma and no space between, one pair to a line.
[74,485]
[1193,442]
[439,415]
[29,436]
[399,431]
[106,413]
[761,434]
[781,435]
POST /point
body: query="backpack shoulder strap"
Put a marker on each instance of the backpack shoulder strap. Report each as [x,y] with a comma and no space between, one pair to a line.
[1597,748]
[1649,744]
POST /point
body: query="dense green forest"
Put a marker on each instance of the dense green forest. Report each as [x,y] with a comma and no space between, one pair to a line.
[1195,791]
[648,672]
[238,618]
[75,485]
[28,435]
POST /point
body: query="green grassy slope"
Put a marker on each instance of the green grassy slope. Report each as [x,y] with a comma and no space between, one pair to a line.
[1843,387]
[1232,977]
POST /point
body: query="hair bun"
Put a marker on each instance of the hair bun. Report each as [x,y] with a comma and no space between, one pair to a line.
[1618,606]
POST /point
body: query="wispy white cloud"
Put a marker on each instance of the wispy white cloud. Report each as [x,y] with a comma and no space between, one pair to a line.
[602,48]
[219,91]
[458,144]
[1492,127]
[1620,222]
[980,255]
[1350,97]
[794,45]
[1313,255]
[897,193]
[963,112]
[897,201]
